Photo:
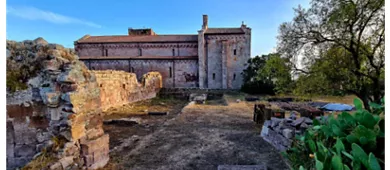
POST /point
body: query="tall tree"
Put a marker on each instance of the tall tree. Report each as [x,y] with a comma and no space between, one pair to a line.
[355,28]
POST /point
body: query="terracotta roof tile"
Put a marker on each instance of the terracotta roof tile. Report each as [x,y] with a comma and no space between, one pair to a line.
[224,31]
[144,38]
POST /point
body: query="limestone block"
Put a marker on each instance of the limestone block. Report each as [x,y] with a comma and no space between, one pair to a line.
[91,146]
[94,133]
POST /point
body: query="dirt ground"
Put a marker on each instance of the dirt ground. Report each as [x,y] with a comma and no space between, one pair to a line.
[198,137]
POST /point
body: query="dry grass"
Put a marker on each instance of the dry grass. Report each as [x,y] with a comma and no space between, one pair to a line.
[143,107]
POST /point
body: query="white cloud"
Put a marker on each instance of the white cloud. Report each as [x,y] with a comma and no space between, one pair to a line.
[32,13]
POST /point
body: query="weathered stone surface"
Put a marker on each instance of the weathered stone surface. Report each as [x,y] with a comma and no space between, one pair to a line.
[56,166]
[118,87]
[8,53]
[24,150]
[43,136]
[40,41]
[275,121]
[264,131]
[66,161]
[288,133]
[90,147]
[298,121]
[242,167]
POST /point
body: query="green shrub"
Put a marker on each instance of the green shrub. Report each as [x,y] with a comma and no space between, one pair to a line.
[350,141]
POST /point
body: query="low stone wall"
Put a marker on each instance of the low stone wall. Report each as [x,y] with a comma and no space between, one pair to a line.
[119,87]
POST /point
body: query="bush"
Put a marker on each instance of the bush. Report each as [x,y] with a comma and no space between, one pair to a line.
[350,141]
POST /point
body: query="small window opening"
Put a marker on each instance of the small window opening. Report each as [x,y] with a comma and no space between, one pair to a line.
[234,52]
[234,76]
[124,86]
[101,85]
[170,72]
[173,52]
[140,52]
[213,76]
[106,52]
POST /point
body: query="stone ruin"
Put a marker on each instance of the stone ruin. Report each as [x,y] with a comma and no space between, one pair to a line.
[57,122]
[118,87]
[280,132]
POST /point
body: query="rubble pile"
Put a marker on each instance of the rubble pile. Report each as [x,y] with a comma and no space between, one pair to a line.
[281,131]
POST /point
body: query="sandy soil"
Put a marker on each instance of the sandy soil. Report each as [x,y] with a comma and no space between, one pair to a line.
[200,137]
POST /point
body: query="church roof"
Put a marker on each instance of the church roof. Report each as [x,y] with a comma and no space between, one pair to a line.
[142,38]
[224,31]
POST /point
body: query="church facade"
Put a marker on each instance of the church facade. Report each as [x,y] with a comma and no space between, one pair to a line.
[212,59]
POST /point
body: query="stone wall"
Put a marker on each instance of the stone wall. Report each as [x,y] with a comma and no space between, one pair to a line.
[62,120]
[133,49]
[119,87]
[175,73]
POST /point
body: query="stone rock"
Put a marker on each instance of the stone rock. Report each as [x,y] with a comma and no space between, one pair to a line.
[56,46]
[51,99]
[67,135]
[304,125]
[308,121]
[35,82]
[31,55]
[70,149]
[54,113]
[264,131]
[43,136]
[56,166]
[26,104]
[66,161]
[298,121]
[275,121]
[39,147]
[8,53]
[238,100]
[10,150]
[267,123]
[19,58]
[40,41]
[24,150]
[288,133]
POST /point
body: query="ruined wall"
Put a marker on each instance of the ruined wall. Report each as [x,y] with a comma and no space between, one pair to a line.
[175,73]
[62,123]
[119,87]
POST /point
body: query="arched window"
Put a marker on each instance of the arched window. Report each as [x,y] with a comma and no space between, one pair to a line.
[170,72]
[234,76]
[173,52]
[235,52]
[213,76]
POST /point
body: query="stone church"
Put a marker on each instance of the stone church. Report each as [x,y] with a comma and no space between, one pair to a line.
[212,59]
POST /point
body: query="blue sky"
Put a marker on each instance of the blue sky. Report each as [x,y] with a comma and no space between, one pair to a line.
[64,21]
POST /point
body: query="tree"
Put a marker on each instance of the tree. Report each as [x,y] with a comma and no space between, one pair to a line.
[352,30]
[268,74]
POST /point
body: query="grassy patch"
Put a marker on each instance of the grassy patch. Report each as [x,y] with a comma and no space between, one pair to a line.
[157,104]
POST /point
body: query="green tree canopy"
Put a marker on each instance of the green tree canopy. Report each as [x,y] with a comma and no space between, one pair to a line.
[342,39]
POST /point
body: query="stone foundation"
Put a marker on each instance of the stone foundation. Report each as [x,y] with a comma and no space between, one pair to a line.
[118,87]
